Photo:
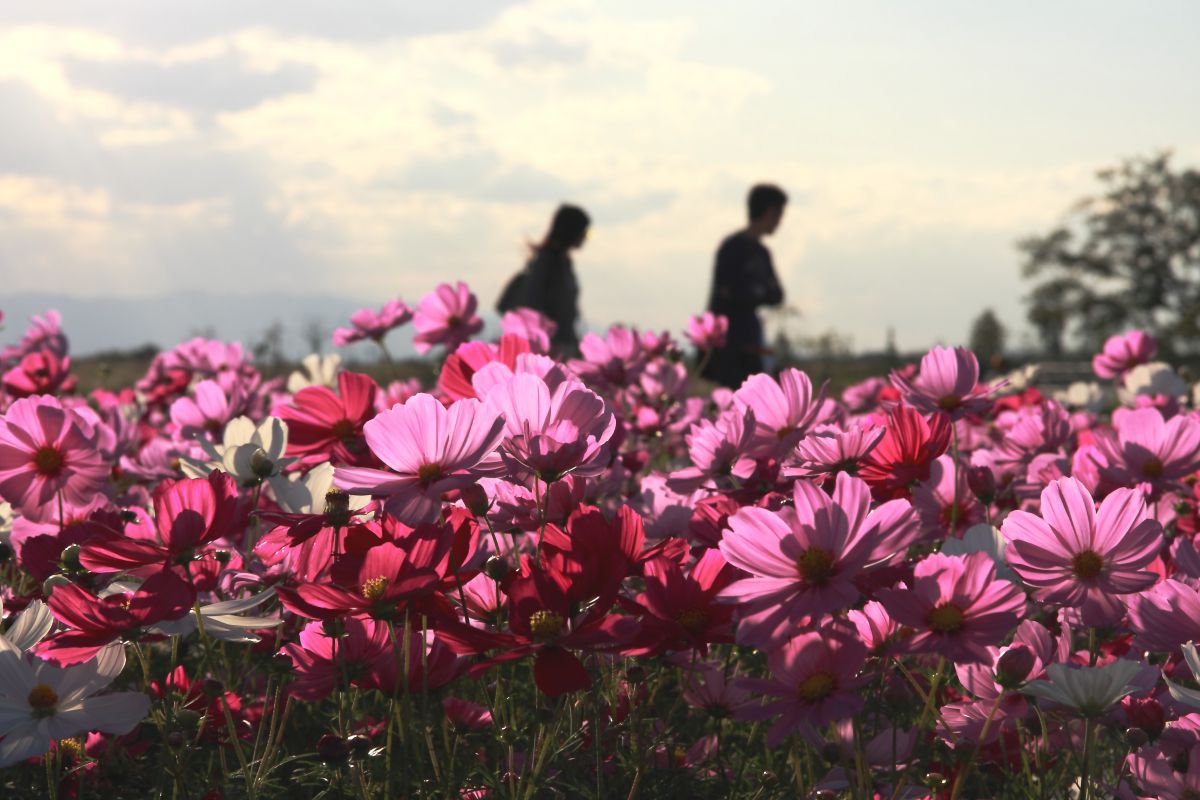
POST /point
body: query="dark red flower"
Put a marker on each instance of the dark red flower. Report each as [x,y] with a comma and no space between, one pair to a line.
[904,456]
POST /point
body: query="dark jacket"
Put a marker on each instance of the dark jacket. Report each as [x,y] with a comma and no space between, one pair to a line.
[743,280]
[550,287]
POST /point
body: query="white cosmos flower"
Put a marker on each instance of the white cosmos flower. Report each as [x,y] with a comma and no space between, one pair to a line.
[40,702]
[1155,378]
[250,454]
[1189,697]
[6,521]
[306,495]
[318,370]
[983,538]
[30,626]
[1088,690]
[222,620]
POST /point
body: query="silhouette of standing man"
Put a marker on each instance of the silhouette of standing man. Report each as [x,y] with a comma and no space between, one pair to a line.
[744,279]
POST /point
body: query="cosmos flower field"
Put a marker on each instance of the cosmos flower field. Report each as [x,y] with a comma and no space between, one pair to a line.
[594,577]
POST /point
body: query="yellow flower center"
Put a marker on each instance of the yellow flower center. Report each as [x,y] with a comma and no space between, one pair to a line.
[71,748]
[48,461]
[816,565]
[949,402]
[374,588]
[692,620]
[1152,468]
[946,618]
[816,687]
[428,473]
[545,625]
[1087,565]
[43,700]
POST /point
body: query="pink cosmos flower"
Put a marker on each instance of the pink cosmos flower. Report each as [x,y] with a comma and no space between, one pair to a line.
[1165,616]
[43,333]
[549,433]
[717,450]
[615,360]
[432,450]
[804,561]
[876,629]
[456,377]
[707,331]
[816,677]
[1081,558]
[532,326]
[946,509]
[208,411]
[1123,352]
[1147,449]
[46,449]
[828,450]
[956,607]
[370,324]
[784,410]
[40,372]
[708,688]
[446,316]
[948,381]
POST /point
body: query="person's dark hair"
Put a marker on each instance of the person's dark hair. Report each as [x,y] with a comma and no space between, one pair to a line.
[569,224]
[763,198]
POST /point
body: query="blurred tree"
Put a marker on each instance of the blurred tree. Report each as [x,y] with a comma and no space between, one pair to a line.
[987,339]
[1128,258]
[316,335]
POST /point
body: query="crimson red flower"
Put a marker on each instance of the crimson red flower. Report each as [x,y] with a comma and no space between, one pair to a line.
[905,454]
[680,612]
[96,621]
[455,378]
[324,424]
[40,372]
[188,514]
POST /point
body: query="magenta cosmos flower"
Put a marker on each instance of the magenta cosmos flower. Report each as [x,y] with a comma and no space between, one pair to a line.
[1165,616]
[784,410]
[815,677]
[532,326]
[956,607]
[1123,352]
[446,316]
[46,449]
[804,561]
[948,381]
[1081,558]
[1145,448]
[432,450]
[374,325]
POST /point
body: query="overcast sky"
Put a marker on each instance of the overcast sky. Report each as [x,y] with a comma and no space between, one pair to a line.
[371,149]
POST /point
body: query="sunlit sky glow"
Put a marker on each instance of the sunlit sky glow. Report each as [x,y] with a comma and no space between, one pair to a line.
[369,150]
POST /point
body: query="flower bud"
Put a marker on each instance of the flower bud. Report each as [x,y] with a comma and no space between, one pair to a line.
[475,499]
[176,739]
[222,556]
[332,749]
[496,568]
[70,557]
[187,718]
[1135,737]
[213,687]
[982,483]
[1014,666]
[337,508]
[261,464]
[360,745]
[1146,714]
[53,582]
[5,552]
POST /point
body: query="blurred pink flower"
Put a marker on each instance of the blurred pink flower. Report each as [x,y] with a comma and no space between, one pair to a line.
[446,316]
[815,676]
[1146,449]
[1123,352]
[707,331]
[784,409]
[948,381]
[1081,558]
[532,326]
[370,324]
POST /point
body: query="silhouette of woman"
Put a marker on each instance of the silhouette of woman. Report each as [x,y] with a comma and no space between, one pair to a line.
[548,284]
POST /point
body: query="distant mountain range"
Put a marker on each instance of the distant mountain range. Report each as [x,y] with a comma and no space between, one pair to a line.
[99,324]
